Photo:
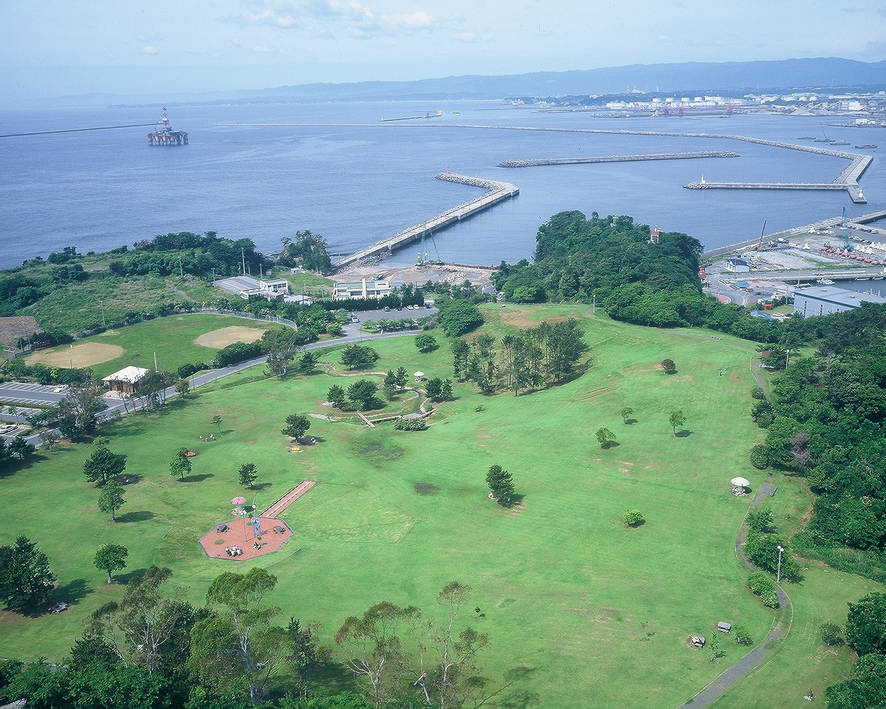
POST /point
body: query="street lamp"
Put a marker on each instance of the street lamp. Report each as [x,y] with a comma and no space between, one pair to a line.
[778,574]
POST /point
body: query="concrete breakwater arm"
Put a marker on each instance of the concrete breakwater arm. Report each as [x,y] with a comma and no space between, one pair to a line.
[619,158]
[495,192]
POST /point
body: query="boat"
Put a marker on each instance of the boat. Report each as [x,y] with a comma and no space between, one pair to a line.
[164,134]
[825,281]
[862,279]
[805,137]
[839,142]
[866,146]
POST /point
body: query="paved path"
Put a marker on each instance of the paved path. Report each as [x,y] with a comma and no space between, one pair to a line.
[289,498]
[759,654]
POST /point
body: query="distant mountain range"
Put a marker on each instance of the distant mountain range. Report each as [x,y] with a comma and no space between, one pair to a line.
[693,78]
[822,73]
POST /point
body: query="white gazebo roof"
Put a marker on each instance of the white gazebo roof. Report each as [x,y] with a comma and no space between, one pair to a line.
[127,374]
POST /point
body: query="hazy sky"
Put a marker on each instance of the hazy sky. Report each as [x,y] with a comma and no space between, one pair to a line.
[131,47]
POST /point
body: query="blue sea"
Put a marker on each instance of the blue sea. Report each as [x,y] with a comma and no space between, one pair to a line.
[356,180]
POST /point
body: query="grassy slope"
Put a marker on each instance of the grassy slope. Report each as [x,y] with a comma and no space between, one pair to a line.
[563,585]
[74,307]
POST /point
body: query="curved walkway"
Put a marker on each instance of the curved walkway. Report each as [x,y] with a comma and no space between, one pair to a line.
[730,676]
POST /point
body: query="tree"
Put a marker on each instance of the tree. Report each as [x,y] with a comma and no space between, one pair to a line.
[110,558]
[183,388]
[25,578]
[425,342]
[305,655]
[307,362]
[153,388]
[605,437]
[458,316]
[460,353]
[297,425]
[281,346]
[336,395]
[102,464]
[866,624]
[217,421]
[147,629]
[742,636]
[363,394]
[677,418]
[180,464]
[501,484]
[668,366]
[632,518]
[111,498]
[401,377]
[434,388]
[358,356]
[247,475]
[374,650]
[78,411]
[446,391]
[20,448]
[237,646]
[626,413]
[49,438]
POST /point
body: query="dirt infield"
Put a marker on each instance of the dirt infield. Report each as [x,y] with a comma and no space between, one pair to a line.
[83,355]
[217,339]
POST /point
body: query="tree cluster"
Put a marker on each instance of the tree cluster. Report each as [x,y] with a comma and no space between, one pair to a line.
[866,635]
[530,359]
[362,395]
[825,423]
[307,251]
[25,578]
[358,356]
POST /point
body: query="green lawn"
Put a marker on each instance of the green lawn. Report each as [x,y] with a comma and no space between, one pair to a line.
[600,613]
[172,338]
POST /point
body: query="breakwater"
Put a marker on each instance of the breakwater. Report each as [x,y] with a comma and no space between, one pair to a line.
[619,158]
[495,192]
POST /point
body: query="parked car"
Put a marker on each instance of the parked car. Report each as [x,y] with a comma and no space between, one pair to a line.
[59,607]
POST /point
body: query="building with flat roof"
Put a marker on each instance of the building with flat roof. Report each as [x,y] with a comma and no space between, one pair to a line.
[126,380]
[363,289]
[825,300]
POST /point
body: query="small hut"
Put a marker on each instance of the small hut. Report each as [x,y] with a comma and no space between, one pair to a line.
[126,380]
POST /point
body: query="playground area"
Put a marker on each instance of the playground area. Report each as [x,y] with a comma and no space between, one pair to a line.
[247,538]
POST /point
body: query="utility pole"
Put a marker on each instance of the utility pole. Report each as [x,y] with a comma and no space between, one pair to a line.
[778,574]
[243,261]
[180,271]
[156,368]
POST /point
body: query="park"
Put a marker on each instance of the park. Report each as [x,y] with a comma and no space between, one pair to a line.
[564,588]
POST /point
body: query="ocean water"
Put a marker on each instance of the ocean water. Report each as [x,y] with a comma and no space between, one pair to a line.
[356,180]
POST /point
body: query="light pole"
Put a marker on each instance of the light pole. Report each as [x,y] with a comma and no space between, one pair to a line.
[778,574]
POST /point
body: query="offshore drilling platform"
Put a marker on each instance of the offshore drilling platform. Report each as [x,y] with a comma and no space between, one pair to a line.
[163,134]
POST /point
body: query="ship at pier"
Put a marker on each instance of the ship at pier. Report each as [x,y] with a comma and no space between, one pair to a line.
[164,134]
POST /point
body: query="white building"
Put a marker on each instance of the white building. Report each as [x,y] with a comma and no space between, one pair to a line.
[363,289]
[737,265]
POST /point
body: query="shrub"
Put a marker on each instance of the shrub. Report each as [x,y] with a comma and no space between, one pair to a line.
[668,366]
[236,352]
[832,634]
[758,393]
[742,636]
[759,457]
[186,370]
[417,424]
[632,518]
[761,585]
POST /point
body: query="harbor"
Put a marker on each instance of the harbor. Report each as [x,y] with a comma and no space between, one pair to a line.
[495,193]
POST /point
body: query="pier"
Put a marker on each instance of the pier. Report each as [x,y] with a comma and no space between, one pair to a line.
[620,158]
[495,193]
[846,180]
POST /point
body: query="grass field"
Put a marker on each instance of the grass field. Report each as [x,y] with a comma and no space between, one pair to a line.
[173,338]
[599,612]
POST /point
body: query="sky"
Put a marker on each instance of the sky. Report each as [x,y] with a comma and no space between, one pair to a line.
[54,48]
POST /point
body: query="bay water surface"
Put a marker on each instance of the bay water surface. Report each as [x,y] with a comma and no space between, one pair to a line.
[338,170]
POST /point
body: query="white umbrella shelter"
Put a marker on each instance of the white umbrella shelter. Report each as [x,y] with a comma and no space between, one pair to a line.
[740,482]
